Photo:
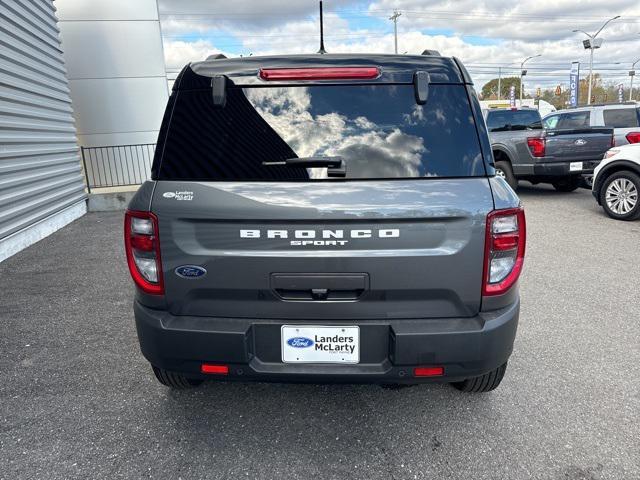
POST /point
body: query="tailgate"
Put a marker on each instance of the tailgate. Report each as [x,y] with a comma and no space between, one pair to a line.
[577,144]
[366,250]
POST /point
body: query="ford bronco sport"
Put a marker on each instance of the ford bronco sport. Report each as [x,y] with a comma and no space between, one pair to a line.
[326,218]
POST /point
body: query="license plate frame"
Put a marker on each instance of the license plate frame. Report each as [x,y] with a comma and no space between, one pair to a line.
[330,352]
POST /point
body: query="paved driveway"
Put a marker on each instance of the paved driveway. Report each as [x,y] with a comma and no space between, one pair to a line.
[77,400]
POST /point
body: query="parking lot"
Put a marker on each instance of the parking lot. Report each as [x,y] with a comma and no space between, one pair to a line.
[79,401]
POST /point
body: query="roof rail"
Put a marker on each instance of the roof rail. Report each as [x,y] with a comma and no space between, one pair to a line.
[216,56]
[432,53]
[612,104]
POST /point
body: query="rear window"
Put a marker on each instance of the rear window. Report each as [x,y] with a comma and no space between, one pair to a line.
[379,131]
[504,120]
[621,117]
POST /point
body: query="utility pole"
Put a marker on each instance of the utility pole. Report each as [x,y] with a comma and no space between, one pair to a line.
[632,73]
[499,81]
[592,44]
[394,17]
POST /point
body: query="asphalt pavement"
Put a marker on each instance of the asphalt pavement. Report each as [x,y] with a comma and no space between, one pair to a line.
[78,400]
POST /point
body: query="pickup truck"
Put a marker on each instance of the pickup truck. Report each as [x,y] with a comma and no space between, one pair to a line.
[523,150]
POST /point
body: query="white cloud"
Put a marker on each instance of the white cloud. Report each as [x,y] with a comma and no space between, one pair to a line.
[511,31]
[178,53]
[369,151]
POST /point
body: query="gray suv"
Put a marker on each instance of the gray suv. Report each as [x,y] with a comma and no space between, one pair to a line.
[325,218]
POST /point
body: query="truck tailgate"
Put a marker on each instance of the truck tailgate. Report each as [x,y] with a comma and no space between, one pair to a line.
[577,144]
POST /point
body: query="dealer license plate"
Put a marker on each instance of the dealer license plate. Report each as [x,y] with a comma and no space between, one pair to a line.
[575,166]
[320,344]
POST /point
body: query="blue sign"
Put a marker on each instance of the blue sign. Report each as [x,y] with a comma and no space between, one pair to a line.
[300,342]
[574,84]
[512,96]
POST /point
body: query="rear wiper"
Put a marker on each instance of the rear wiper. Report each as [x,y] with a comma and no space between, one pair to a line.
[335,165]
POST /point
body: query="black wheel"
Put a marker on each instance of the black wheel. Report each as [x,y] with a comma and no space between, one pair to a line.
[483,383]
[619,195]
[567,185]
[504,170]
[174,380]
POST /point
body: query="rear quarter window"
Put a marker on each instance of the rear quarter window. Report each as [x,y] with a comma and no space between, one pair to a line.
[621,117]
[379,130]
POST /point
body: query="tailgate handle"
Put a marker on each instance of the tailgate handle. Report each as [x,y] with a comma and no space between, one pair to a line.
[320,286]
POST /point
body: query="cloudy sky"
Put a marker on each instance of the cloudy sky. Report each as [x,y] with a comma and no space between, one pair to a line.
[485,34]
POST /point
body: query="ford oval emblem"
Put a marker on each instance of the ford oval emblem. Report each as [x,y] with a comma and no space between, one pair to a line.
[300,342]
[580,142]
[190,271]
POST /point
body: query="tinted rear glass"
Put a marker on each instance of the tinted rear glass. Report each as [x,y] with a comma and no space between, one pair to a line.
[378,130]
[621,117]
[504,120]
[573,120]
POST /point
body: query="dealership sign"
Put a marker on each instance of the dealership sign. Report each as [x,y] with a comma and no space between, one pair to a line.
[512,96]
[574,82]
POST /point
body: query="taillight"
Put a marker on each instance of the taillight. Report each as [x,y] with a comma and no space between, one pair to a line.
[320,73]
[504,250]
[633,137]
[613,141]
[537,146]
[142,246]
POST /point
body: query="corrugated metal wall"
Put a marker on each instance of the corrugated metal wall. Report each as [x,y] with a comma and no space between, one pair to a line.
[40,172]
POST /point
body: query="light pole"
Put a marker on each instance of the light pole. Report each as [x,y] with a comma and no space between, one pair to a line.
[592,44]
[632,74]
[524,72]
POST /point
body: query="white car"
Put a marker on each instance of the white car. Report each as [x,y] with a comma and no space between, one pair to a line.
[616,182]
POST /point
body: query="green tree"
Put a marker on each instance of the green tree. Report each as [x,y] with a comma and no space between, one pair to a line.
[600,92]
[490,89]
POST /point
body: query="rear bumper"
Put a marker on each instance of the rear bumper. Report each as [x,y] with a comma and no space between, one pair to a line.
[562,169]
[390,349]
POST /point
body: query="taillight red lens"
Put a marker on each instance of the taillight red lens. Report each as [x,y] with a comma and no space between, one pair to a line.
[537,146]
[142,247]
[504,250]
[633,137]
[320,73]
[145,243]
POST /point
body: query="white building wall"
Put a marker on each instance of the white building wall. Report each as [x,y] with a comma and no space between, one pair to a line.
[115,63]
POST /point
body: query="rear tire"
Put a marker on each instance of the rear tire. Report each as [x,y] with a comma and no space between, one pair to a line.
[620,195]
[174,380]
[568,185]
[483,383]
[504,170]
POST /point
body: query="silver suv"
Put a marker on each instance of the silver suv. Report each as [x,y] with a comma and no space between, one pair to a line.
[624,118]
